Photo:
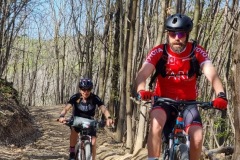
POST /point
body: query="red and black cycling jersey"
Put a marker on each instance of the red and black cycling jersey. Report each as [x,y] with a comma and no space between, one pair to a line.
[177,84]
[85,109]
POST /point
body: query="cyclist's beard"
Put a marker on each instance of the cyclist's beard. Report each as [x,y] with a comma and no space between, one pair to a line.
[177,46]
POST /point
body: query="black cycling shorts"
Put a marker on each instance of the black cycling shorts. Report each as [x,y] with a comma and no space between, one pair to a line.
[191,116]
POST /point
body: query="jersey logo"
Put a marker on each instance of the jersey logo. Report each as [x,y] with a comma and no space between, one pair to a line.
[86,107]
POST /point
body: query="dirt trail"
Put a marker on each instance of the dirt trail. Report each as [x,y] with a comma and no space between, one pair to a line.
[53,142]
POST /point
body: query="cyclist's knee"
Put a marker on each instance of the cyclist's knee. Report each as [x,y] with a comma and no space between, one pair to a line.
[157,112]
[158,119]
[195,131]
[94,140]
[196,134]
[73,132]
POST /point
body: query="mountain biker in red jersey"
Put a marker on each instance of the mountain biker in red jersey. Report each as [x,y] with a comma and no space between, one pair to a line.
[177,84]
[84,104]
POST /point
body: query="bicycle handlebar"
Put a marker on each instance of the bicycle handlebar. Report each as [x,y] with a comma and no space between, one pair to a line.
[169,101]
[99,123]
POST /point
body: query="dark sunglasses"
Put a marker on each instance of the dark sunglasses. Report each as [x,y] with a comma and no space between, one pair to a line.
[179,34]
[86,90]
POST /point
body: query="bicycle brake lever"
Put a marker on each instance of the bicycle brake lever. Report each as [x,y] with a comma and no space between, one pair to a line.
[206,105]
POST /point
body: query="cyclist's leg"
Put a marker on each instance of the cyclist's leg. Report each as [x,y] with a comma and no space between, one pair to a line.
[195,133]
[94,142]
[94,148]
[158,118]
[194,129]
[73,137]
[73,142]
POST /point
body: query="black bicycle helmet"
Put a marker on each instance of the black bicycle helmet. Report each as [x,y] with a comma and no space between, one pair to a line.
[85,84]
[179,22]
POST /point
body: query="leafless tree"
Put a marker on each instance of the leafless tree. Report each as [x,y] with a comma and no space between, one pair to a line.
[13,14]
[233,21]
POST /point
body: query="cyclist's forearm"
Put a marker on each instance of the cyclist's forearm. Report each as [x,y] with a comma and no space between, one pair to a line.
[217,85]
[65,110]
[63,113]
[105,112]
[142,75]
[140,82]
[211,74]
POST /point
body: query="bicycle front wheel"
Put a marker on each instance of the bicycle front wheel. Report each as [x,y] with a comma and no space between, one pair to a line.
[165,152]
[80,152]
[182,152]
[88,150]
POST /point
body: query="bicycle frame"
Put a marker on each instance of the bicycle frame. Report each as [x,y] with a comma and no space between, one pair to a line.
[176,137]
[84,126]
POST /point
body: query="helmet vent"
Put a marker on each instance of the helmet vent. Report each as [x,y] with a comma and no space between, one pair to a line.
[179,22]
[174,20]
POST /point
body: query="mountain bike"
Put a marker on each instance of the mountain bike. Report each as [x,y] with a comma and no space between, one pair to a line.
[176,145]
[84,126]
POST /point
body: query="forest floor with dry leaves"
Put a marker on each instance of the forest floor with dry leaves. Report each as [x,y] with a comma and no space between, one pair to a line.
[53,141]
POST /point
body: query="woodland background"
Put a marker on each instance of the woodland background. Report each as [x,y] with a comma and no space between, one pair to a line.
[47,46]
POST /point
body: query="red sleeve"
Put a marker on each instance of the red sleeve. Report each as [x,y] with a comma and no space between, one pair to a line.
[201,55]
[154,55]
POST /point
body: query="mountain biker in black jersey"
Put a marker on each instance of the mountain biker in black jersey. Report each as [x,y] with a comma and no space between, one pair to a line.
[84,104]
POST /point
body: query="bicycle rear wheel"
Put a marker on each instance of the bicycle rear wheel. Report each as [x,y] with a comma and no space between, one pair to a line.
[182,152]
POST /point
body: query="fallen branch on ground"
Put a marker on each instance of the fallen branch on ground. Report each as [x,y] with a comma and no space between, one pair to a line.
[211,153]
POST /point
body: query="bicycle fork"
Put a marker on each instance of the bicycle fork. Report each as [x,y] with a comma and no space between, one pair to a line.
[82,148]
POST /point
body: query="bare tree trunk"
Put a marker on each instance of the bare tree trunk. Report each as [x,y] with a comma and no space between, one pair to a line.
[136,43]
[142,128]
[63,58]
[134,67]
[236,102]
[178,6]
[22,77]
[162,21]
[33,77]
[57,24]
[132,13]
[104,50]
[56,50]
[114,96]
[196,18]
[123,66]
[79,45]
[10,24]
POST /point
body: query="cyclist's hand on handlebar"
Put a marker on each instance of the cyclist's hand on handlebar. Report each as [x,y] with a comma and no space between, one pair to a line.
[110,122]
[145,95]
[220,102]
[62,120]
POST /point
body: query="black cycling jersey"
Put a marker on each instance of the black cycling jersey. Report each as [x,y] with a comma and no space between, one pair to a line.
[85,109]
